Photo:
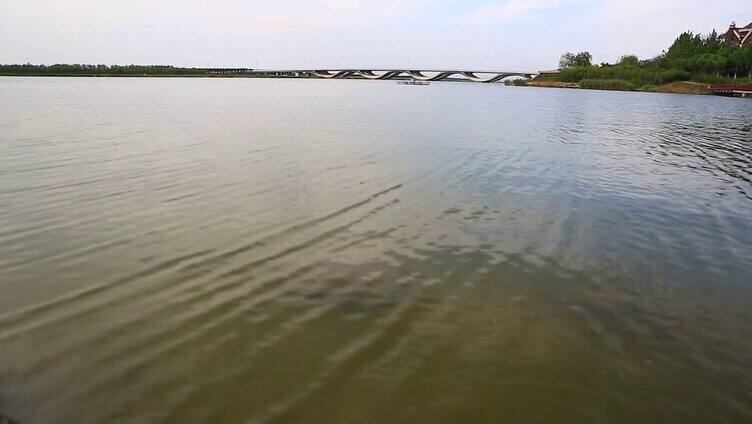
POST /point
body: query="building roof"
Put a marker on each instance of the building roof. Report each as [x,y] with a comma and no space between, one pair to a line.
[738,35]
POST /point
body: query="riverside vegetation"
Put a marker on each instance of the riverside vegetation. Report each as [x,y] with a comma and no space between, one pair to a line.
[100,70]
[692,58]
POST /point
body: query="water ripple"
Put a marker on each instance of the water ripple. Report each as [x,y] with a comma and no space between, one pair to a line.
[170,255]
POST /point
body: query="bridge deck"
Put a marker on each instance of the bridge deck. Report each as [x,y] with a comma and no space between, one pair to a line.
[731,89]
[482,76]
[475,71]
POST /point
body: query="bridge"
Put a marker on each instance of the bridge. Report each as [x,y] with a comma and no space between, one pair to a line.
[482,76]
[731,90]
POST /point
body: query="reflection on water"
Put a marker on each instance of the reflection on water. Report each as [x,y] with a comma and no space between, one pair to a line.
[193,250]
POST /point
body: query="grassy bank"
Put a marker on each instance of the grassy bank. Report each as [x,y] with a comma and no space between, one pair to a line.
[633,78]
[607,84]
[679,87]
[676,87]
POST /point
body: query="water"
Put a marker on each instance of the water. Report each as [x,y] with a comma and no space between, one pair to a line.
[235,250]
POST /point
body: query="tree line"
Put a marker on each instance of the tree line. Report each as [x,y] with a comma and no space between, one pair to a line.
[709,56]
[79,69]
[691,57]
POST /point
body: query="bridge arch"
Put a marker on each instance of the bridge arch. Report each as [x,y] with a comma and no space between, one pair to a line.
[376,75]
[417,75]
[329,74]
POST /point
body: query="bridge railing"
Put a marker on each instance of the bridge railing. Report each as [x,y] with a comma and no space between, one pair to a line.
[727,88]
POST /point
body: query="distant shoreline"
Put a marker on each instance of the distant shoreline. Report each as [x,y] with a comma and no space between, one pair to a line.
[83,70]
[124,76]
[677,87]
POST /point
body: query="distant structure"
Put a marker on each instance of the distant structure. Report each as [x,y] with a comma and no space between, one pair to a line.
[551,72]
[739,36]
[485,76]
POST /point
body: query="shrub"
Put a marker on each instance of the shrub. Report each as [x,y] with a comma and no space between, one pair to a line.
[638,76]
[607,84]
[672,75]
[518,82]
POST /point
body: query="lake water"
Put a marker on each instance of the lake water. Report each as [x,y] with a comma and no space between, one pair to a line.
[239,250]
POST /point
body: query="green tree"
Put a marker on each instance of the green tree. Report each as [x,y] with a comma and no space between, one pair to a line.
[745,59]
[571,60]
[629,60]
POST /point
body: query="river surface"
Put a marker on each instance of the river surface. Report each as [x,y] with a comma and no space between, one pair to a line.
[239,250]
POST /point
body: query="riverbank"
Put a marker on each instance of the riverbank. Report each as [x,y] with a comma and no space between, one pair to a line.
[676,87]
[680,87]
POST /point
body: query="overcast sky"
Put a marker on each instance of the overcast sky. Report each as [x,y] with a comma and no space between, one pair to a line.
[525,35]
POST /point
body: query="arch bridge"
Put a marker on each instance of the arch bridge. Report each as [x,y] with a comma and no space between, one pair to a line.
[482,76]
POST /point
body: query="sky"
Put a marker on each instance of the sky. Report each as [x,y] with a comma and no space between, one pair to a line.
[518,35]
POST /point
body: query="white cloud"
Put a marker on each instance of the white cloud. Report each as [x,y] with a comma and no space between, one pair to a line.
[646,27]
[511,9]
[250,17]
[503,34]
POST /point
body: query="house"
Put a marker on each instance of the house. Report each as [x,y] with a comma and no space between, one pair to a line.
[739,36]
